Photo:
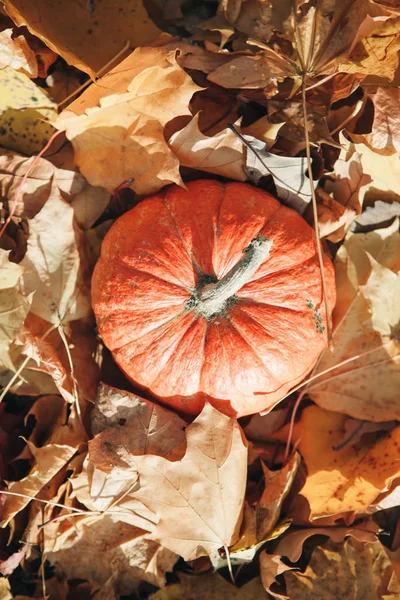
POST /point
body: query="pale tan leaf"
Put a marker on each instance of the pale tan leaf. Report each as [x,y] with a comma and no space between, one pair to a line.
[53,265]
[123,139]
[16,53]
[348,189]
[366,323]
[385,134]
[221,154]
[198,502]
[9,272]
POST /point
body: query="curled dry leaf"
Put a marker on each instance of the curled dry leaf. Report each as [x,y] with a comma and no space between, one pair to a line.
[221,154]
[261,517]
[86,36]
[101,549]
[366,328]
[373,216]
[291,546]
[123,139]
[16,53]
[349,479]
[48,351]
[289,173]
[350,569]
[347,190]
[198,502]
[49,460]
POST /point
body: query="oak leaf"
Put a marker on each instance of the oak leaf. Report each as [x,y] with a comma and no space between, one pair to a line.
[199,499]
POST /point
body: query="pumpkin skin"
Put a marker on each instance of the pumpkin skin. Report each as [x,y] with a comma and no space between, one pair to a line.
[265,340]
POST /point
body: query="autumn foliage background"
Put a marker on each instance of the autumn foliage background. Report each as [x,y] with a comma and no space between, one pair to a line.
[300,503]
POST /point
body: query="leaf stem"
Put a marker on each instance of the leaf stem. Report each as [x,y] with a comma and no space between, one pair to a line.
[315,214]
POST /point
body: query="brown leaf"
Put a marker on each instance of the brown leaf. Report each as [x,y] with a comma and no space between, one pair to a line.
[198,500]
[376,54]
[8,566]
[349,569]
[87,36]
[147,429]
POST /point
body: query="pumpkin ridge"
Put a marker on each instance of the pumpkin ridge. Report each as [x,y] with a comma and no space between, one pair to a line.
[250,345]
[217,231]
[227,361]
[178,231]
[135,270]
[171,357]
[149,331]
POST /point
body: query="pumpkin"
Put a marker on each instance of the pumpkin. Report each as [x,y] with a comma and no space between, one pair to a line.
[212,293]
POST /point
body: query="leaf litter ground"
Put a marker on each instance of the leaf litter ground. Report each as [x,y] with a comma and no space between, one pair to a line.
[105,493]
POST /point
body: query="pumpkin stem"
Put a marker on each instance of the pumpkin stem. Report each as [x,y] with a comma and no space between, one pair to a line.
[212,299]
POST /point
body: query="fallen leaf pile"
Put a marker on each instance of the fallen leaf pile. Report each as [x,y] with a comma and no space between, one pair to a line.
[105,493]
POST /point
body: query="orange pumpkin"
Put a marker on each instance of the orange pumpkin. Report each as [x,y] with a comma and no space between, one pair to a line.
[213,292]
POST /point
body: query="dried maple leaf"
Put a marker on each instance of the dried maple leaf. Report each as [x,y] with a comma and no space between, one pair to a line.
[199,499]
[366,323]
[127,130]
[210,586]
[86,35]
[376,215]
[349,479]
